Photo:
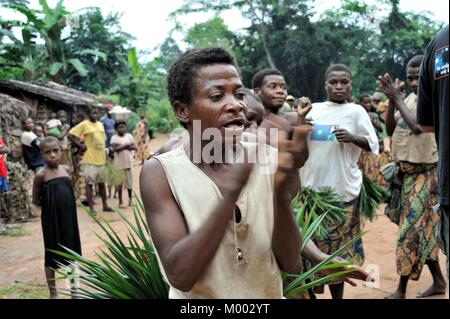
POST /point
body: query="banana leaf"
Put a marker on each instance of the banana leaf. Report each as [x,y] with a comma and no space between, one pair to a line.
[112,175]
[371,196]
[298,284]
[127,269]
[316,204]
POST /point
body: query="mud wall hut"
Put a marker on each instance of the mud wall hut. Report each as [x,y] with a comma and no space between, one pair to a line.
[50,97]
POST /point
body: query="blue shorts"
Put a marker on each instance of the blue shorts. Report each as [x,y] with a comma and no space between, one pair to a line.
[3,184]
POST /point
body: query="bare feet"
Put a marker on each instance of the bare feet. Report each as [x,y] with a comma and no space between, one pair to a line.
[53,295]
[108,209]
[122,206]
[396,295]
[435,289]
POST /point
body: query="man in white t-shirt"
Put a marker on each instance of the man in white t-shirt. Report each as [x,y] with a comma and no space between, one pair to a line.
[340,131]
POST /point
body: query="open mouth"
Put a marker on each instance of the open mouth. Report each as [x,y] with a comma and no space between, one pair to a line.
[235,124]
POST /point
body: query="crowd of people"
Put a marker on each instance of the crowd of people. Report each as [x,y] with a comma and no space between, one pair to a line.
[69,163]
[225,229]
[205,255]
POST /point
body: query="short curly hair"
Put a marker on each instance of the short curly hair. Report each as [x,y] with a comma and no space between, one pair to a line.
[47,141]
[258,78]
[181,74]
[339,67]
[414,62]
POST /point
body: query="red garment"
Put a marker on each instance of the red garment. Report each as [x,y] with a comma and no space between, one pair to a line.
[3,170]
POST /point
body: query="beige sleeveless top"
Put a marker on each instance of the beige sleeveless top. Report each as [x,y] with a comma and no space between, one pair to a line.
[410,147]
[197,196]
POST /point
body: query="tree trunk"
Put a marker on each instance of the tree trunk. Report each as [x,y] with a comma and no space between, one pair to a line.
[268,54]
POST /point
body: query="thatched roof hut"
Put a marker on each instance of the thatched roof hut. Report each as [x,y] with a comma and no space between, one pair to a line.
[12,110]
[15,203]
[51,97]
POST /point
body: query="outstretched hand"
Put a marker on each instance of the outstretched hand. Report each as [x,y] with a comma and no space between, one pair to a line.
[358,273]
[392,89]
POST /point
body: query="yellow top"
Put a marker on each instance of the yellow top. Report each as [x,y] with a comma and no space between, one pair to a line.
[94,137]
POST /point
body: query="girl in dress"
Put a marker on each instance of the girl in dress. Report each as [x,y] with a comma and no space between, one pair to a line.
[52,190]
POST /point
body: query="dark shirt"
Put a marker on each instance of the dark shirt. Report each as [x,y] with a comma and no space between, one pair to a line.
[32,155]
[108,124]
[433,104]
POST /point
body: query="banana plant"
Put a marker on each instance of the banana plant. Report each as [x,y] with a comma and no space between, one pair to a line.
[46,25]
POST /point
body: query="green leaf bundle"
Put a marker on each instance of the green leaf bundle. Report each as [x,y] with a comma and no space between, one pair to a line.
[370,198]
[128,269]
[317,204]
[111,175]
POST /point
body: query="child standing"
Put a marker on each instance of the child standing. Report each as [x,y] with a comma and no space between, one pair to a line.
[30,146]
[3,175]
[121,145]
[52,190]
[3,171]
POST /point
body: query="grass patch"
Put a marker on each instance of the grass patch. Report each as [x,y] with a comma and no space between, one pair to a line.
[24,291]
[14,231]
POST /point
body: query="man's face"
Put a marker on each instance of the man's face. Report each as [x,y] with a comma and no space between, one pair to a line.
[38,131]
[338,86]
[121,129]
[63,118]
[366,103]
[218,100]
[376,99]
[412,79]
[93,115]
[272,92]
[76,120]
[52,154]
[28,125]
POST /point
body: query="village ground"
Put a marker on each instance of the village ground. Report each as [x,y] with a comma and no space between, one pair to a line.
[22,254]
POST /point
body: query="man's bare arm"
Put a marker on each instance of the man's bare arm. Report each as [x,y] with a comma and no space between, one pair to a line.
[427,129]
[37,185]
[185,256]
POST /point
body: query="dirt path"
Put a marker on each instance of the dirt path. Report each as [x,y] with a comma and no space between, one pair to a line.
[22,257]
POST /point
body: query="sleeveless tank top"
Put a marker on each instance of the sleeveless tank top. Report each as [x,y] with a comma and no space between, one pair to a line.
[197,196]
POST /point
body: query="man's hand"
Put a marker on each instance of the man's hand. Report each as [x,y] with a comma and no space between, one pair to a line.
[392,89]
[358,273]
[237,176]
[304,106]
[344,136]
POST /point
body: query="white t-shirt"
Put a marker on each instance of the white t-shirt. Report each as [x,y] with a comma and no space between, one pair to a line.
[123,159]
[332,164]
[53,123]
[27,138]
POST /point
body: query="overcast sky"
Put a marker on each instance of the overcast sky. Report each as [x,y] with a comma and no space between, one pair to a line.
[147,20]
